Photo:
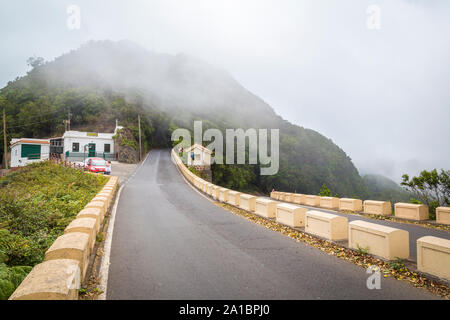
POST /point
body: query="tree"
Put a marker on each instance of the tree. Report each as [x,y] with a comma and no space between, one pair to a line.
[430,187]
[325,192]
[35,61]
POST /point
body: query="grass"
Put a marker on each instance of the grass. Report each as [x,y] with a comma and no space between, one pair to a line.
[36,205]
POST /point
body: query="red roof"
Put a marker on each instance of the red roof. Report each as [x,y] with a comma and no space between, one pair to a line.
[31,141]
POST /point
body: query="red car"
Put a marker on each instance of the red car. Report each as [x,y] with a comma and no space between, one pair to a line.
[97,165]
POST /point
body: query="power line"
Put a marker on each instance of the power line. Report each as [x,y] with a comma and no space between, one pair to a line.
[30,124]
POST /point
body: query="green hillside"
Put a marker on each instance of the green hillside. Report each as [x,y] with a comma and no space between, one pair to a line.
[102,81]
[383,188]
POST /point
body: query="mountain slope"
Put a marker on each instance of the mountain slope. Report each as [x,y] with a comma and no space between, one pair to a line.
[105,80]
[383,188]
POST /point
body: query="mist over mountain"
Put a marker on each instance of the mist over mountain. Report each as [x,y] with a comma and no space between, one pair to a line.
[105,80]
[385,189]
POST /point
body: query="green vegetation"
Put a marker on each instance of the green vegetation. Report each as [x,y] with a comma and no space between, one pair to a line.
[362,250]
[36,204]
[384,189]
[200,174]
[325,192]
[430,187]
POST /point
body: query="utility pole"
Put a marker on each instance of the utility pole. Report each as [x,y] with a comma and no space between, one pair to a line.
[68,119]
[140,151]
[5,150]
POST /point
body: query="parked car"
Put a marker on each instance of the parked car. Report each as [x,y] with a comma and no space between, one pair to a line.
[82,164]
[97,165]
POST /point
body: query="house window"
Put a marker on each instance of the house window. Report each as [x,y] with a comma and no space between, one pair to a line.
[107,148]
[31,151]
[197,157]
[75,147]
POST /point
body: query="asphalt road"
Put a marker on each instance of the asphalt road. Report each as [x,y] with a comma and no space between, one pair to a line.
[170,242]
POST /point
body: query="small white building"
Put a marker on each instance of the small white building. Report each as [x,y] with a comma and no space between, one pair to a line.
[79,145]
[198,155]
[26,150]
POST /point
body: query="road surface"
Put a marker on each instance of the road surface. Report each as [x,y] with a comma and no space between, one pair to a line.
[169,242]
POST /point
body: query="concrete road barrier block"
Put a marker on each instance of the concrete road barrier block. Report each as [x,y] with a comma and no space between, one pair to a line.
[84,225]
[94,213]
[433,256]
[288,197]
[383,208]
[329,203]
[312,200]
[266,208]
[411,211]
[247,202]
[102,198]
[223,194]
[299,198]
[215,193]
[210,189]
[291,215]
[326,225]
[443,215]
[274,195]
[386,242]
[353,205]
[50,280]
[75,246]
[234,198]
[97,204]
[106,194]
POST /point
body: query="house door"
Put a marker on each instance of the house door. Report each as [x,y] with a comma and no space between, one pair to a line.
[91,150]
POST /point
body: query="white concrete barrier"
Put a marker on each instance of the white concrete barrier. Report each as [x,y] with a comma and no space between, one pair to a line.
[443,215]
[353,205]
[411,211]
[288,197]
[291,215]
[247,202]
[266,208]
[383,208]
[299,198]
[326,225]
[215,192]
[329,203]
[386,242]
[275,195]
[234,198]
[312,200]
[433,256]
[223,194]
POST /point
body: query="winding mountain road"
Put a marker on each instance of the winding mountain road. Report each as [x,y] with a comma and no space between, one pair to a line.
[170,242]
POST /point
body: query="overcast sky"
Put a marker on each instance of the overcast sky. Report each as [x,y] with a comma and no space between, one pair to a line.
[382,95]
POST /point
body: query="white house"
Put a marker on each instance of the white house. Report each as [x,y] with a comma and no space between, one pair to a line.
[198,155]
[79,145]
[26,150]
